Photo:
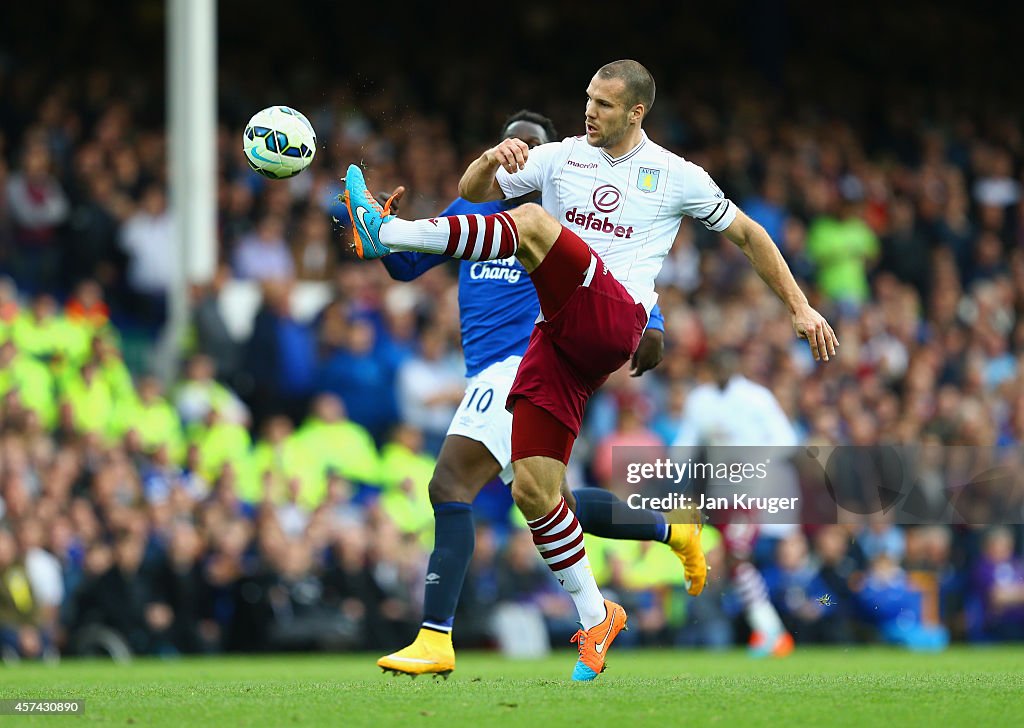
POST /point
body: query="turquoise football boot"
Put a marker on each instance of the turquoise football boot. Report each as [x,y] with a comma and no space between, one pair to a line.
[367,216]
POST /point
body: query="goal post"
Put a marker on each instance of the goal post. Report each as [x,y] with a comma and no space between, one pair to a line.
[192,158]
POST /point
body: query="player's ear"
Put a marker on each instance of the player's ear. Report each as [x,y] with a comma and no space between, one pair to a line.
[636,114]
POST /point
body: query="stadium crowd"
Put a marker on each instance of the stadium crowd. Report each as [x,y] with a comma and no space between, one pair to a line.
[275,497]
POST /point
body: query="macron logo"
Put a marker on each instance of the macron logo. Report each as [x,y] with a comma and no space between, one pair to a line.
[433,578]
[581,165]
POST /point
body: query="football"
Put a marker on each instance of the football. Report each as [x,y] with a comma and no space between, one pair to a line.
[279,142]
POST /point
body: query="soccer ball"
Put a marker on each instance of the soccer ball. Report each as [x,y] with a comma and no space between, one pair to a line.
[279,142]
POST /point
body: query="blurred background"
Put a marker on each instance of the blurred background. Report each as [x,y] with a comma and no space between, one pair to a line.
[272,494]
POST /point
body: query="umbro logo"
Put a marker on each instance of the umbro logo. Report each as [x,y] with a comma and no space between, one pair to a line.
[433,578]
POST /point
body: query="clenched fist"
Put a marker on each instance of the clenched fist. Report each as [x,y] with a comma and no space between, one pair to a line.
[511,154]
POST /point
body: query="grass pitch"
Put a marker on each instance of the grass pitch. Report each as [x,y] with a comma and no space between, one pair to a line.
[812,687]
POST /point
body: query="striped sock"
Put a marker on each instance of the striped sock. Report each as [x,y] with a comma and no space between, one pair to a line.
[760,613]
[467,237]
[559,540]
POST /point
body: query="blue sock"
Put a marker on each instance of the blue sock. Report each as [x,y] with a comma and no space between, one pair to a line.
[603,514]
[454,540]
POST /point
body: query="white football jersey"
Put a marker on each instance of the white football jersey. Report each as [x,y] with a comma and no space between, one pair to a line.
[627,209]
[745,413]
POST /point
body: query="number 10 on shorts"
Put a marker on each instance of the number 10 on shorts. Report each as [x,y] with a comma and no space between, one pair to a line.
[483,402]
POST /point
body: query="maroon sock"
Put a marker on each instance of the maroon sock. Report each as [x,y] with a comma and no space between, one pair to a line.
[481,237]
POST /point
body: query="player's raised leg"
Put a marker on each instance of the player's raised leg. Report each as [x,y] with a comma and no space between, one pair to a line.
[463,467]
[467,237]
[527,232]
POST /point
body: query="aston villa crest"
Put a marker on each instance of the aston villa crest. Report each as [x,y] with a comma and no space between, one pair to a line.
[647,180]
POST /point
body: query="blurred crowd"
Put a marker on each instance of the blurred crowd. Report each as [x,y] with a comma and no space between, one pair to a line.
[275,496]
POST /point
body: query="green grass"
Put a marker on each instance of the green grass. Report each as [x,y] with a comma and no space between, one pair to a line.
[668,689]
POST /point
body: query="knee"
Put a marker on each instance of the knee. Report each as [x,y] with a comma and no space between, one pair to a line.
[528,214]
[446,486]
[527,490]
[533,222]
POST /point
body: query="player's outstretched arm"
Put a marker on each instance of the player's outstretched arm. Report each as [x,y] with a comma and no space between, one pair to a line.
[407,266]
[762,252]
[478,183]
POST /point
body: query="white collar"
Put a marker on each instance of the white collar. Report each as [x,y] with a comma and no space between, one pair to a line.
[628,155]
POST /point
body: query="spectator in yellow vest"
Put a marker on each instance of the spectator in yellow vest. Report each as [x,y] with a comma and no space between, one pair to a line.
[405,474]
[200,393]
[219,441]
[337,442]
[43,332]
[153,419]
[30,379]
[402,458]
[284,456]
[91,401]
[112,367]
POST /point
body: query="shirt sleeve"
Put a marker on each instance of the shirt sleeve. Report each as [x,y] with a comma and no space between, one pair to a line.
[703,200]
[531,178]
[407,266]
[657,320]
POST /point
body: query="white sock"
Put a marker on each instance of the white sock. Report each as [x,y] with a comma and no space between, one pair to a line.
[579,581]
[762,617]
[760,613]
[559,540]
[422,236]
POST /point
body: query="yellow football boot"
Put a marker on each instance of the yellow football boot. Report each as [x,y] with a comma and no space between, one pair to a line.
[684,540]
[431,653]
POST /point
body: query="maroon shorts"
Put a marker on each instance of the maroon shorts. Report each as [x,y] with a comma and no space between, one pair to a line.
[573,353]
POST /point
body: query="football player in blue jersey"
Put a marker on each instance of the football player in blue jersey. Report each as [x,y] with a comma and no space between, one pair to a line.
[498,308]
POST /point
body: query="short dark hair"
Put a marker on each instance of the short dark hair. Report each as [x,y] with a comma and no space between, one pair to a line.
[534,118]
[639,81]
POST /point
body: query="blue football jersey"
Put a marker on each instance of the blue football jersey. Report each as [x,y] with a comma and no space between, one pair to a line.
[498,304]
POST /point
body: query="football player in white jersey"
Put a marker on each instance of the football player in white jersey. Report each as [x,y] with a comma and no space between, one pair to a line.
[726,415]
[613,200]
